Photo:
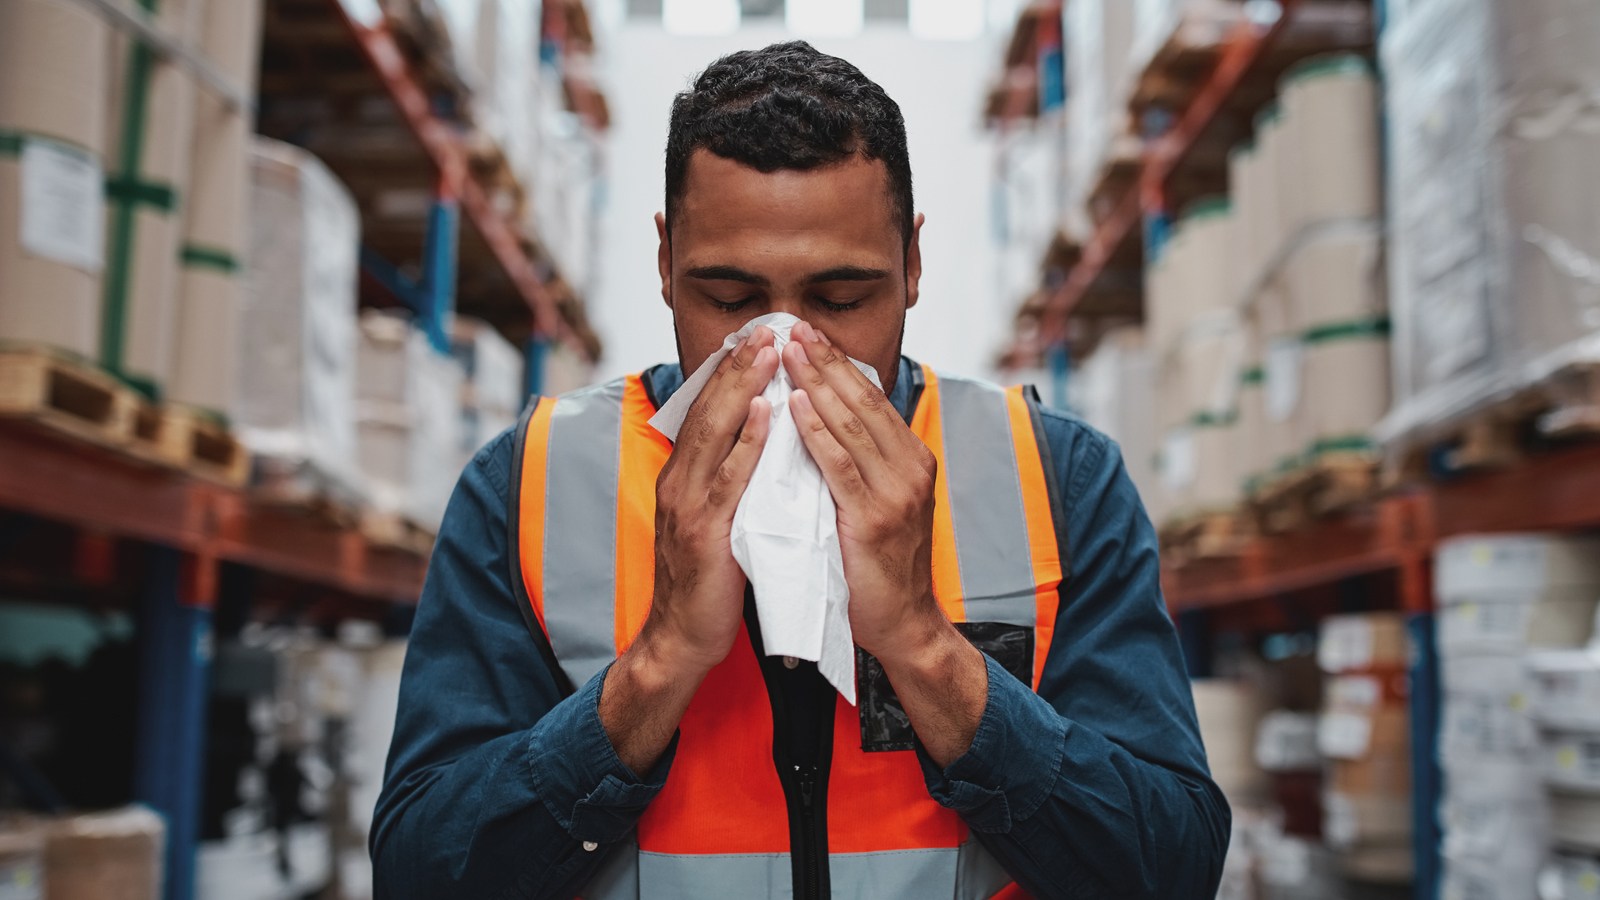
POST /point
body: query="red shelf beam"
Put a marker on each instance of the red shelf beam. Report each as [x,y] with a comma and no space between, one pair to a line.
[107,493]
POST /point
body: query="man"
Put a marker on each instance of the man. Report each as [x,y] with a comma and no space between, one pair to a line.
[586,710]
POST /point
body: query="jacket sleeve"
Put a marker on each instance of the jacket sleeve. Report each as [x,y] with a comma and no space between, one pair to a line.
[1097,785]
[496,786]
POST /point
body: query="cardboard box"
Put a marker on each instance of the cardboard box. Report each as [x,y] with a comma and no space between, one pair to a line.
[1362,642]
[216,216]
[114,855]
[1229,711]
[52,146]
[21,859]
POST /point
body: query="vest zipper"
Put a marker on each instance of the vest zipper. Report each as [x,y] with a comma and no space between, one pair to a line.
[805,788]
[811,888]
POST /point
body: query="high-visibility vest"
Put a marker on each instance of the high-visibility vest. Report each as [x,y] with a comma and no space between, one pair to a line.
[583,531]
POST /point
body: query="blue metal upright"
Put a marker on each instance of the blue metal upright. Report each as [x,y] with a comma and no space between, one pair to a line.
[174,677]
[533,354]
[439,270]
[1426,778]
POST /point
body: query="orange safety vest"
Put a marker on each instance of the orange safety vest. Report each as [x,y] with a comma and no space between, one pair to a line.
[583,528]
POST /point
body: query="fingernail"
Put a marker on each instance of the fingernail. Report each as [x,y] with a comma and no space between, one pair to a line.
[799,398]
[740,346]
[801,330]
[823,338]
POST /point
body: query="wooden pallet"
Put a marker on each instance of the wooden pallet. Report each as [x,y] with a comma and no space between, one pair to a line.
[1563,408]
[1186,58]
[395,531]
[301,486]
[1330,483]
[182,437]
[66,395]
[1205,536]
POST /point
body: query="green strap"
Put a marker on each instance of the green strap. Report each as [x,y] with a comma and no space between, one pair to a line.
[132,192]
[11,143]
[1208,419]
[1348,443]
[119,255]
[195,256]
[1372,327]
[1255,375]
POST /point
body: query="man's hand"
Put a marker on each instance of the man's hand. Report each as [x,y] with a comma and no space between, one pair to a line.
[699,588]
[882,478]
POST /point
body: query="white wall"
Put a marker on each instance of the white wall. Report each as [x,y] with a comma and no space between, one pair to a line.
[959,322]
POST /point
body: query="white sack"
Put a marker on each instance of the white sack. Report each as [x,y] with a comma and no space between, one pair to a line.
[786,531]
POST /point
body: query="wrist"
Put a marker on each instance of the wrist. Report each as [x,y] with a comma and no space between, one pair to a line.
[925,643]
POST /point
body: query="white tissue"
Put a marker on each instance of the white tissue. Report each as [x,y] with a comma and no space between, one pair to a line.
[786,531]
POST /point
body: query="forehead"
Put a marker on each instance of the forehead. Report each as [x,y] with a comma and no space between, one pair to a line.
[852,198]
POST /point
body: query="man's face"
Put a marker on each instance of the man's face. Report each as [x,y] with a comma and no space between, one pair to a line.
[821,245]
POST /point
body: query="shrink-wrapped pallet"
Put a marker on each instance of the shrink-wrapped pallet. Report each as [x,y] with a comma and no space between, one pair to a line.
[408,419]
[1499,596]
[295,406]
[1494,174]
[150,105]
[52,145]
[495,385]
[1097,35]
[119,853]
[216,223]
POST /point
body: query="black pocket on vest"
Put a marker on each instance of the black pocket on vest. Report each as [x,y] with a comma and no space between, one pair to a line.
[884,724]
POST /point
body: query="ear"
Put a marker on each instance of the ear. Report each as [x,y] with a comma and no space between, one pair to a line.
[914,260]
[664,258]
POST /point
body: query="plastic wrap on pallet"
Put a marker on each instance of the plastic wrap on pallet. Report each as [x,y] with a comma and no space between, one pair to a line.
[408,419]
[568,185]
[1097,35]
[495,387]
[297,334]
[52,186]
[1495,201]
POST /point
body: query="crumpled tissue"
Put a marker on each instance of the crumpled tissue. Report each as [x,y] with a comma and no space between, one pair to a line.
[785,531]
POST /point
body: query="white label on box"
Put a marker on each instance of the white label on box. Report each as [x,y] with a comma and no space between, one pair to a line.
[1177,460]
[19,880]
[1343,735]
[1345,643]
[63,204]
[1355,691]
[1281,371]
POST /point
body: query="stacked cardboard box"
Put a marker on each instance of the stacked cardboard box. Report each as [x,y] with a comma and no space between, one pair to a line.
[21,859]
[1308,271]
[216,215]
[52,149]
[1364,733]
[117,853]
[495,386]
[408,415]
[1499,596]
[1494,201]
[1196,339]
[296,347]
[1229,710]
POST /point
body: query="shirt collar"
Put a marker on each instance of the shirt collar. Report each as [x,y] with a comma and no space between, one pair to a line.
[666,378]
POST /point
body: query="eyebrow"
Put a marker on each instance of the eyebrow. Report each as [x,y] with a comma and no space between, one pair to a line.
[727,273]
[847,273]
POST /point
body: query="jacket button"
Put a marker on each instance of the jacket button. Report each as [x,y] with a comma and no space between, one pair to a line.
[790,662]
[590,846]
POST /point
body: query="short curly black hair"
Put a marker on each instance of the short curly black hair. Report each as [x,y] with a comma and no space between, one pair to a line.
[788,106]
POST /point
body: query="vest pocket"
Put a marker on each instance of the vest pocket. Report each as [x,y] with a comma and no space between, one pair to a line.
[885,727]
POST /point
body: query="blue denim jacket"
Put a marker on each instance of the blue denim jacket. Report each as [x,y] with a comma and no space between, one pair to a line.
[1094,787]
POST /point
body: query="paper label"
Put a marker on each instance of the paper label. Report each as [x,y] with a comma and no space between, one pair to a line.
[1346,643]
[1344,735]
[19,880]
[1355,692]
[1177,459]
[63,204]
[1281,381]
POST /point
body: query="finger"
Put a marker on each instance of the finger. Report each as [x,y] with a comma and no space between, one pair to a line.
[829,366]
[713,423]
[733,475]
[848,430]
[838,466]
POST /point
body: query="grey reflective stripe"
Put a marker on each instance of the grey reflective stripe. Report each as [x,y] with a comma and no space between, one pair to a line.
[979,875]
[720,876]
[893,874]
[580,529]
[991,524]
[618,877]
